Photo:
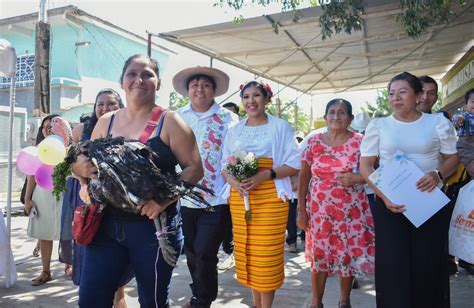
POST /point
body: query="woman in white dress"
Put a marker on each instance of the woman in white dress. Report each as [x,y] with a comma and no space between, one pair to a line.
[259,242]
[45,221]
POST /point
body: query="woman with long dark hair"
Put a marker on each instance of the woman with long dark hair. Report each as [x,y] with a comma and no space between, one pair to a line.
[106,100]
[46,224]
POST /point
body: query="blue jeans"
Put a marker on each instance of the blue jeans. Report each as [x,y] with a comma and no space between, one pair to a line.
[71,200]
[119,242]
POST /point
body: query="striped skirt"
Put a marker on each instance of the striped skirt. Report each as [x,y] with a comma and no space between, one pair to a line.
[259,243]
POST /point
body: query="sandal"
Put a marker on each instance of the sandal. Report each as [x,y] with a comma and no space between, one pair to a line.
[43,278]
[346,305]
[68,271]
[36,252]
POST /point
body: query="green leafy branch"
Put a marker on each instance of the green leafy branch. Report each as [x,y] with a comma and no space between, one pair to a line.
[177,101]
[341,15]
[381,107]
[346,15]
[418,15]
[63,170]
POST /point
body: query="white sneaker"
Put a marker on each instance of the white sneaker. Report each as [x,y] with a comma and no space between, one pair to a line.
[227,263]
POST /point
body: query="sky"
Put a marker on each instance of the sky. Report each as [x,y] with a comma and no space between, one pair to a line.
[158,16]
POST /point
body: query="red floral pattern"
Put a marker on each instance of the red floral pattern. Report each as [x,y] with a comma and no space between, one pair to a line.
[341,237]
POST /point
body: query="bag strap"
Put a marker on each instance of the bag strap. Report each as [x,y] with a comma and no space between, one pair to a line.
[463,174]
[152,123]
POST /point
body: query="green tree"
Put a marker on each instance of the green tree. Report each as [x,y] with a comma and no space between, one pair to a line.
[439,103]
[288,113]
[381,107]
[337,15]
[176,101]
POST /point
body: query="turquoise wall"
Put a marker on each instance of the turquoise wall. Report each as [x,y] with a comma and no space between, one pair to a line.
[23,45]
[63,58]
[105,56]
[102,59]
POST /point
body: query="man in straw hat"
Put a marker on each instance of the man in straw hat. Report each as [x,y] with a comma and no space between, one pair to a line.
[203,230]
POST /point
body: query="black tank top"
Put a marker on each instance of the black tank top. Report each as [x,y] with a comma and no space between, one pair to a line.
[166,161]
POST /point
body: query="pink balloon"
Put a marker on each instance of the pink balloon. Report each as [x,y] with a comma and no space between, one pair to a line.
[27,160]
[44,177]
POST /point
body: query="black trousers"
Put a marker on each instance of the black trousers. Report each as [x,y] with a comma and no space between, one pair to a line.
[411,264]
[228,241]
[291,227]
[203,233]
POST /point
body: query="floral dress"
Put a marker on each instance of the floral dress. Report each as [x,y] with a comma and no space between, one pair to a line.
[341,236]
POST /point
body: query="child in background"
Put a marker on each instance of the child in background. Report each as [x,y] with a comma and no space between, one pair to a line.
[465,125]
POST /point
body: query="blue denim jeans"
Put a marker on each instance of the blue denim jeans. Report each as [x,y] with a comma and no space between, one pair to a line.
[119,242]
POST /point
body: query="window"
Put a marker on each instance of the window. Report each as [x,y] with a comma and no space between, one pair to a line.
[25,72]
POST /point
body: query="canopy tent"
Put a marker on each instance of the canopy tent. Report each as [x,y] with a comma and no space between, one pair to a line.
[8,69]
[297,57]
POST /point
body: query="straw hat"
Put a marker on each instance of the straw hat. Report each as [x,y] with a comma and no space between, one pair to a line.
[360,121]
[220,78]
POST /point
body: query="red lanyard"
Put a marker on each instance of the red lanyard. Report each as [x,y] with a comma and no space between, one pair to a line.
[151,125]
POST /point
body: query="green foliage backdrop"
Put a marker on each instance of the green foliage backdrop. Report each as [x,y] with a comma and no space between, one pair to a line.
[346,15]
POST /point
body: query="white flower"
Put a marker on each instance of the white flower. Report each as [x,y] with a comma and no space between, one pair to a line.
[249,158]
[240,154]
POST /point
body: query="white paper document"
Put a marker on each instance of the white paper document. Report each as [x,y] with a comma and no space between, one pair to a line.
[397,181]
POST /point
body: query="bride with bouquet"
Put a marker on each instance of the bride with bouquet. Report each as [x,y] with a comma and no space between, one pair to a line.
[260,154]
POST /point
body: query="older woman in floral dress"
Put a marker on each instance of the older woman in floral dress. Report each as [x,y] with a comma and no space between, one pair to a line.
[333,207]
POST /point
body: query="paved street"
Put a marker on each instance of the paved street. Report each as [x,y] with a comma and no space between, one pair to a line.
[295,292]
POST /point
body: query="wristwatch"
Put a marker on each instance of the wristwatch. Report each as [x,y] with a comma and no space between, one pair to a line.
[440,176]
[273,174]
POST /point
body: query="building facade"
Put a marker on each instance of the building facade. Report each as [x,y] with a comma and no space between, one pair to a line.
[87,54]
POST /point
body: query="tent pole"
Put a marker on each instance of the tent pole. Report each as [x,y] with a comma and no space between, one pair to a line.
[10,177]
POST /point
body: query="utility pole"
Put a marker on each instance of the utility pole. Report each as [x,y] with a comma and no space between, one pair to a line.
[148,49]
[42,76]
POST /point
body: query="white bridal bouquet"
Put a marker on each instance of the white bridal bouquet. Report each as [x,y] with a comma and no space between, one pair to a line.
[242,165]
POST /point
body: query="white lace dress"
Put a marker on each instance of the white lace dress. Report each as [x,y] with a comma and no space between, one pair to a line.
[46,225]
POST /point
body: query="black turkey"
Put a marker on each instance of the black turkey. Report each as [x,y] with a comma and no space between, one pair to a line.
[128,176]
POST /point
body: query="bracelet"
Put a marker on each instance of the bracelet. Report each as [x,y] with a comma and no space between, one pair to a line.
[440,176]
